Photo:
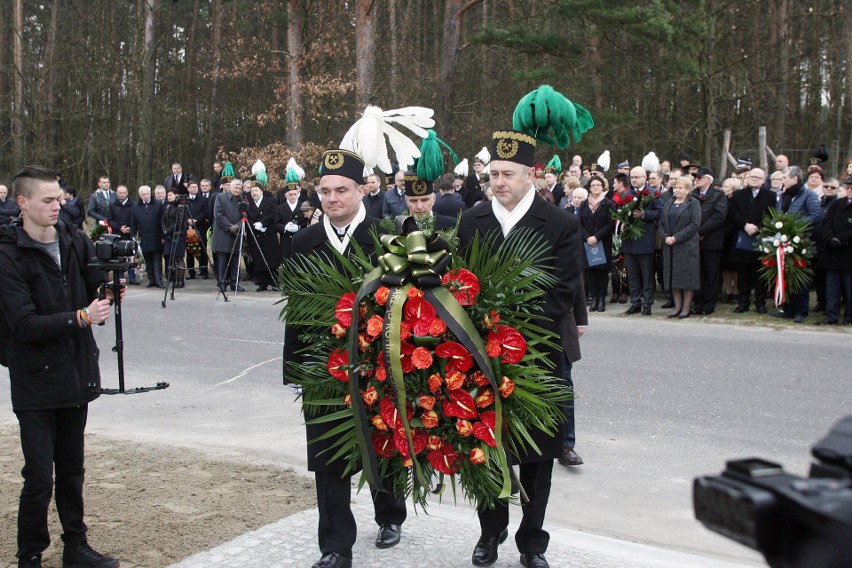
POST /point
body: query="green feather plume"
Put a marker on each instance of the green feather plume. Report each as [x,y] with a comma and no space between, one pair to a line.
[430,165]
[228,170]
[549,117]
[555,163]
[261,177]
[292,176]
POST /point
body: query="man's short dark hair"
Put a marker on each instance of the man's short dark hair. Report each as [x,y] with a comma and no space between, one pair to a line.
[796,172]
[445,186]
[191,182]
[71,190]
[26,179]
[622,178]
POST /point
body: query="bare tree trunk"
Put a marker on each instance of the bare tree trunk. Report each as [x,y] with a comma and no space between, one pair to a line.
[847,114]
[594,50]
[449,58]
[216,40]
[781,31]
[18,110]
[47,130]
[146,129]
[295,46]
[365,52]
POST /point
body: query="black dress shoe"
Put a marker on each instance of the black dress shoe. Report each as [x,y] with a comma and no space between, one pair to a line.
[534,560]
[191,277]
[388,535]
[683,316]
[646,310]
[743,309]
[333,560]
[570,457]
[205,276]
[633,309]
[485,552]
[151,285]
[668,304]
[760,309]
[261,289]
[237,288]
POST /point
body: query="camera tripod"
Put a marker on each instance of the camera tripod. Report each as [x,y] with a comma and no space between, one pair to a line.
[237,249]
[115,267]
[171,269]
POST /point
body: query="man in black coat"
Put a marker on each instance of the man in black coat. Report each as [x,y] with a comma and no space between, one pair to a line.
[178,179]
[99,200]
[836,259]
[146,223]
[420,199]
[711,237]
[48,305]
[745,211]
[119,218]
[72,209]
[374,198]
[471,191]
[517,205]
[448,201]
[344,220]
[198,210]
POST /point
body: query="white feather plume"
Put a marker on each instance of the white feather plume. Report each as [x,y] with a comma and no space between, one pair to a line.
[651,163]
[462,169]
[291,164]
[604,161]
[367,136]
[367,171]
[258,166]
[484,155]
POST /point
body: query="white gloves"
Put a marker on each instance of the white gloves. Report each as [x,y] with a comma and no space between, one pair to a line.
[291,227]
[259,227]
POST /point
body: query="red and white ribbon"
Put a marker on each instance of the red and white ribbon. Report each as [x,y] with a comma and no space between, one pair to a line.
[780,280]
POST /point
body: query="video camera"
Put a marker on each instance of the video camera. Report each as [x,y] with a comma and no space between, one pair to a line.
[794,522]
[243,204]
[112,248]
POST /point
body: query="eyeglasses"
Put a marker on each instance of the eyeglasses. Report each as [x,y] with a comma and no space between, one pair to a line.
[756,177]
[827,186]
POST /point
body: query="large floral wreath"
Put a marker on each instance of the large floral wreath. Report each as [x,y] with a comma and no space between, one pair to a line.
[787,248]
[452,340]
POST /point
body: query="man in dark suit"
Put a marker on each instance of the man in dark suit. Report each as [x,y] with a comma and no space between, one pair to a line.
[147,224]
[471,191]
[575,325]
[198,209]
[119,218]
[344,220]
[551,179]
[745,212]
[711,236]
[374,197]
[178,179]
[516,205]
[100,200]
[639,254]
[448,202]
[395,198]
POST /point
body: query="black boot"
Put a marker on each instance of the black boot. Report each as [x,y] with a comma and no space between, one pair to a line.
[602,304]
[595,303]
[78,554]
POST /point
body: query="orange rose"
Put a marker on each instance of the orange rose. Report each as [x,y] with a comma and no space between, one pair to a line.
[429,418]
[374,326]
[477,456]
[464,428]
[407,462]
[413,292]
[427,402]
[480,379]
[404,331]
[455,380]
[347,400]
[485,398]
[338,331]
[363,342]
[422,358]
[381,374]
[493,348]
[382,295]
[379,423]
[435,382]
[437,327]
[370,396]
[507,387]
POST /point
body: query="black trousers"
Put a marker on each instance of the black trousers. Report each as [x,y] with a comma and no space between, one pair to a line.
[337,530]
[154,266]
[640,278]
[711,277]
[597,280]
[51,438]
[227,272]
[535,477]
[748,279]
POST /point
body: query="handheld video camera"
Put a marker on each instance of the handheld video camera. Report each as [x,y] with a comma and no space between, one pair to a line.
[794,522]
[113,247]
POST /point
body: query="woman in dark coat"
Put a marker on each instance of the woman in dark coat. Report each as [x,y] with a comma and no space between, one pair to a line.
[289,219]
[678,229]
[836,259]
[174,239]
[264,245]
[596,230]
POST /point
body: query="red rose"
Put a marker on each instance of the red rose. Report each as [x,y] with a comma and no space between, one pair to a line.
[343,311]
[421,358]
[506,388]
[435,382]
[463,285]
[338,365]
[455,380]
[464,428]
[374,326]
[437,327]
[382,295]
[430,419]
[370,396]
[477,456]
[629,198]
[426,402]
[485,398]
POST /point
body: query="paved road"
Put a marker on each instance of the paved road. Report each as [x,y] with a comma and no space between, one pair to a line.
[658,402]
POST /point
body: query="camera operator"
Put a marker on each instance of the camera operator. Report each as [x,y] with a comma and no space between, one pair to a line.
[48,305]
[227,215]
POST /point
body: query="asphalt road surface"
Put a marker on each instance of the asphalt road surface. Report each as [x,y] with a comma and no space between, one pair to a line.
[658,403]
